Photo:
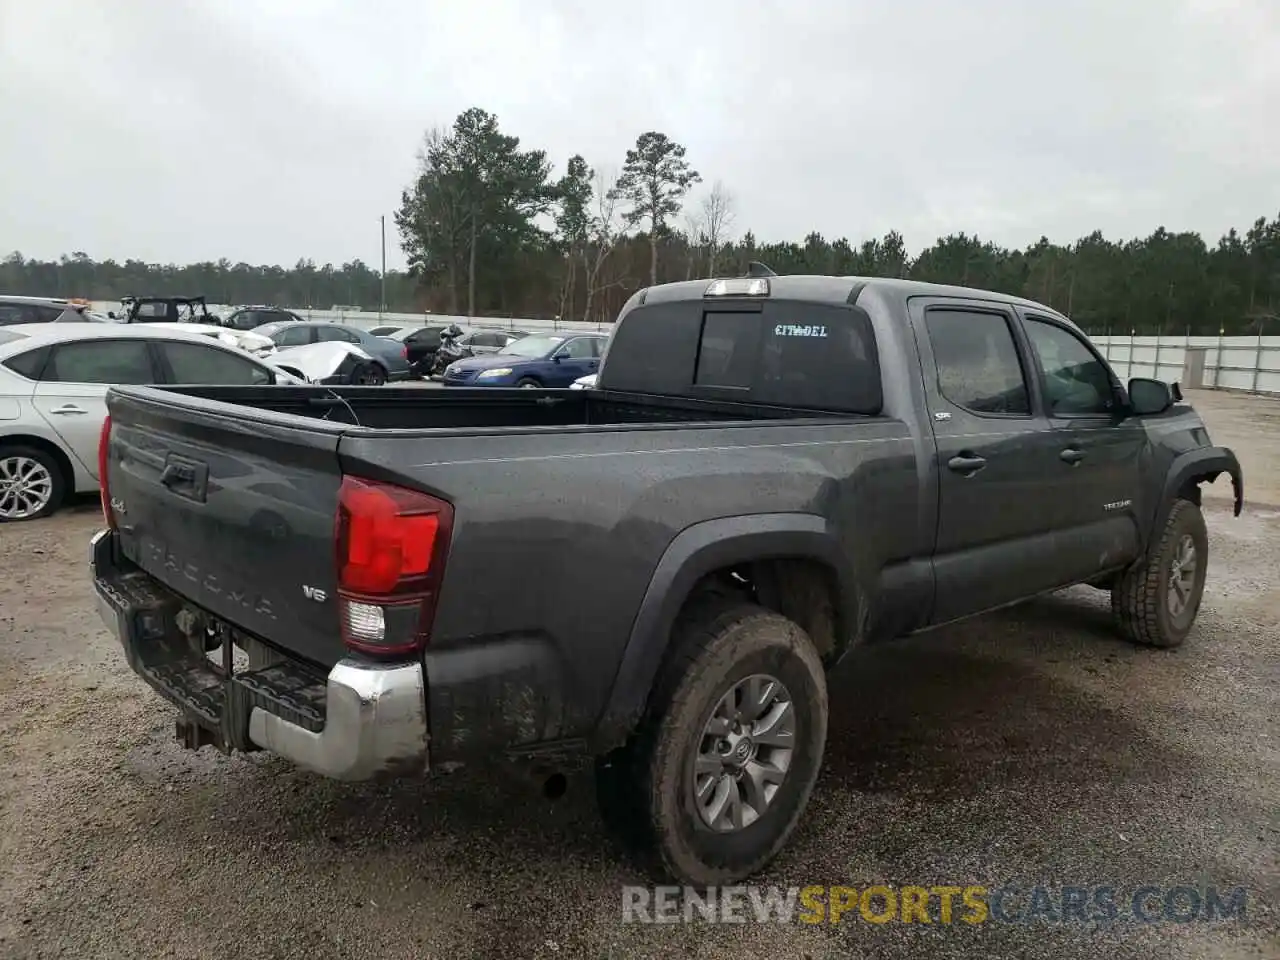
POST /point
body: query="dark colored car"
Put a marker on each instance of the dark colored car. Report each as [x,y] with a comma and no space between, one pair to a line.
[422,344]
[392,356]
[653,575]
[250,318]
[535,361]
[164,310]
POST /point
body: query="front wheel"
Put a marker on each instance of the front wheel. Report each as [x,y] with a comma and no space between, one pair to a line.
[528,383]
[722,768]
[1155,603]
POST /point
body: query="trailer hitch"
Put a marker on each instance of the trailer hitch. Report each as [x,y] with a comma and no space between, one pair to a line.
[192,736]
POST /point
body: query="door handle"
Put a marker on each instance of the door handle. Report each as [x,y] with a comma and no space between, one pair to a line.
[966,463]
[1071,455]
[69,408]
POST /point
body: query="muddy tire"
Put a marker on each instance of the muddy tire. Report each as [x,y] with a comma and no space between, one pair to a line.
[715,780]
[1155,603]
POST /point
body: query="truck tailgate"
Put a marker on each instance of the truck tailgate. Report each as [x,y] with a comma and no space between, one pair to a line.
[234,510]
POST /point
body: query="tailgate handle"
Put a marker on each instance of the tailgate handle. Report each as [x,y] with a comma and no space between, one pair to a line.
[175,474]
[186,478]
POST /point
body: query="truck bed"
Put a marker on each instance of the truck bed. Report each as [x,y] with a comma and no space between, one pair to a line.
[563,503]
[416,408]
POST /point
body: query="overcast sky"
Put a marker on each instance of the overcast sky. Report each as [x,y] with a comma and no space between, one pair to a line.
[269,130]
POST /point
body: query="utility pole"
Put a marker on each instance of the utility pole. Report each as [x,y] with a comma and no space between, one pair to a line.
[382,303]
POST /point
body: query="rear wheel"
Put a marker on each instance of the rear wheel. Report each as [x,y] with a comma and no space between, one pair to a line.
[1156,602]
[31,484]
[370,375]
[713,784]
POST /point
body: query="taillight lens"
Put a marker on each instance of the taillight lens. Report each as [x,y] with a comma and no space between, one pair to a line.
[404,352]
[104,461]
[391,547]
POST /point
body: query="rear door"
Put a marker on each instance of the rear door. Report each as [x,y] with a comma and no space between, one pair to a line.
[71,394]
[995,452]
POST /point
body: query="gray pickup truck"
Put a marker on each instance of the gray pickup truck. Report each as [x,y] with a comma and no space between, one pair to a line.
[650,576]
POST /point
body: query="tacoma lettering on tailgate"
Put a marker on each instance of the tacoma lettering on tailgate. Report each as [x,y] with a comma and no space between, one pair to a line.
[211,583]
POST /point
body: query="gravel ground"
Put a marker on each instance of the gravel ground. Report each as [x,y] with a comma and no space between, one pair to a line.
[1027,747]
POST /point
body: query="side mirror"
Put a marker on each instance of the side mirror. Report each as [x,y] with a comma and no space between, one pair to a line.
[1147,397]
[560,355]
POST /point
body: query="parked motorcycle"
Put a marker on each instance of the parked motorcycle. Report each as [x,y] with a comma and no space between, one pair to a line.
[449,350]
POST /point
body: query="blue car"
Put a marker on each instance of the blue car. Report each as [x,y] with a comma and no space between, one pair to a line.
[536,361]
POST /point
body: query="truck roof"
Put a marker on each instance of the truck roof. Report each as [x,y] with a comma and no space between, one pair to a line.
[827,289]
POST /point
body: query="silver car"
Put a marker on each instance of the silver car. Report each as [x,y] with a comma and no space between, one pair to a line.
[18,310]
[53,385]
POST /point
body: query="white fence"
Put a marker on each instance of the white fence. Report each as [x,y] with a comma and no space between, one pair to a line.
[1230,363]
[367,320]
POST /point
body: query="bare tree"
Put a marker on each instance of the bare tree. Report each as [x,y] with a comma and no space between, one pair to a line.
[717,222]
[694,238]
[605,231]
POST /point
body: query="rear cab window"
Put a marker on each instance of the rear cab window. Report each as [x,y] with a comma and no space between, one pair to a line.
[977,360]
[778,352]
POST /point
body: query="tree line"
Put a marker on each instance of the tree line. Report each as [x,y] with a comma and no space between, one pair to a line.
[488,229]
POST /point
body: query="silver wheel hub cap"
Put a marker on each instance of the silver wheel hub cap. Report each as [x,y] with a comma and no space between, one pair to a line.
[744,753]
[25,487]
[1182,576]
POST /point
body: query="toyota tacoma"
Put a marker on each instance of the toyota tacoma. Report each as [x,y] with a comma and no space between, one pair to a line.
[652,575]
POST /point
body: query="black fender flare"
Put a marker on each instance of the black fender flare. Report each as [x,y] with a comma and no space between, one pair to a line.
[695,552]
[1203,464]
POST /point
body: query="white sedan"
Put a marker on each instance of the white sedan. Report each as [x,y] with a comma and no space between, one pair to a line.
[246,340]
[53,384]
[584,383]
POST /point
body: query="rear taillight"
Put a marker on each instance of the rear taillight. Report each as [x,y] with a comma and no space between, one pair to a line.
[391,547]
[404,352]
[104,461]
